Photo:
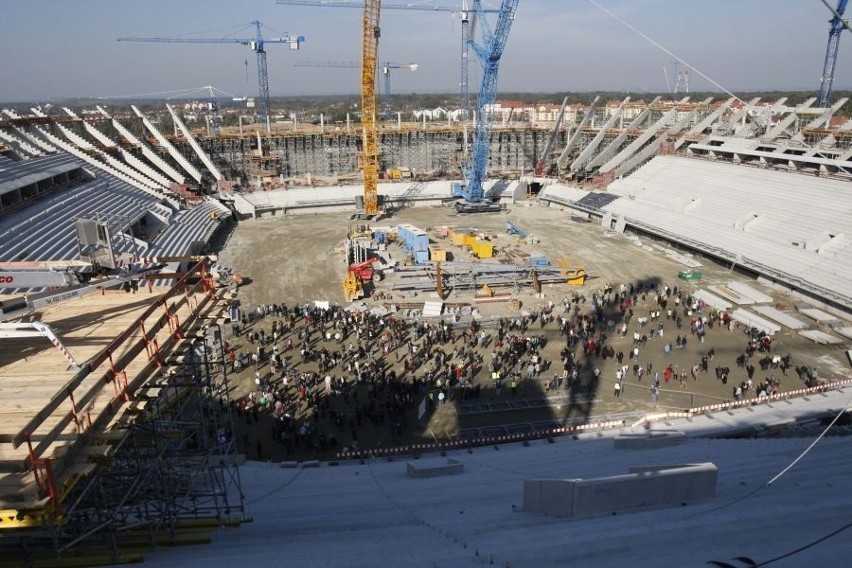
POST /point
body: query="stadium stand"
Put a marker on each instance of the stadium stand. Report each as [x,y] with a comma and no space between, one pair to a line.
[21,146]
[747,216]
[191,230]
[21,182]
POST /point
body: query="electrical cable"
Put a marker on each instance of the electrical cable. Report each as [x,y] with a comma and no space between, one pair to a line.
[665,50]
[783,471]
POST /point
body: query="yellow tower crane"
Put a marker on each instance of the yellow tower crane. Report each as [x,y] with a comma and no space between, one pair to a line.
[370,134]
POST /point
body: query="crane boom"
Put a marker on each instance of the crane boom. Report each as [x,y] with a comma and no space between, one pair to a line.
[386,69]
[489,53]
[837,24]
[463,13]
[255,43]
[370,33]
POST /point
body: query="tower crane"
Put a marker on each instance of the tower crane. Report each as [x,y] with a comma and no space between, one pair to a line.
[837,24]
[386,71]
[489,51]
[370,33]
[463,13]
[256,44]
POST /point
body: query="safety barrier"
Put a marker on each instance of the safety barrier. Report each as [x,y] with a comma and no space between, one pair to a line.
[412,449]
[580,428]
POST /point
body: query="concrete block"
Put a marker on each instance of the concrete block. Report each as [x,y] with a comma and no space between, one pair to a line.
[310,463]
[289,464]
[644,487]
[423,469]
[649,441]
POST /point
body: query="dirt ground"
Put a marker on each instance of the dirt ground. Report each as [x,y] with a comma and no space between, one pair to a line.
[299,259]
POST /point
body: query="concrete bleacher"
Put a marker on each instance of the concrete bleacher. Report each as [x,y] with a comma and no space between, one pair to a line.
[26,180]
[45,230]
[189,229]
[20,145]
[702,204]
[480,518]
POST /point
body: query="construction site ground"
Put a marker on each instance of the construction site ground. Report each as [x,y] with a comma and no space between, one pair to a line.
[300,259]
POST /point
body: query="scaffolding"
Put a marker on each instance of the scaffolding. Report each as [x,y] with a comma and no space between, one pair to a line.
[160,469]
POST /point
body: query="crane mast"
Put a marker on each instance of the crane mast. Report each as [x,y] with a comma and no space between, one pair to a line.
[256,44]
[837,25]
[464,15]
[369,131]
[489,52]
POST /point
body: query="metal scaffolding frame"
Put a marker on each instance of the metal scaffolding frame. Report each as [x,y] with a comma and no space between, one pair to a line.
[166,473]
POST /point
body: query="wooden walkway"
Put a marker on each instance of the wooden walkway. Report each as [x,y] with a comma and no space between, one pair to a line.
[57,421]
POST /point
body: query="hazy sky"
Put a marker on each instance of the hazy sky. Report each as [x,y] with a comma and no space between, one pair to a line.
[55,49]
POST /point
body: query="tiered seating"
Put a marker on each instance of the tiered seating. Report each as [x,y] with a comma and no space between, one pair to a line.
[149,187]
[45,230]
[756,218]
[189,228]
[148,153]
[98,135]
[44,146]
[163,141]
[144,168]
[75,138]
[21,146]
[26,180]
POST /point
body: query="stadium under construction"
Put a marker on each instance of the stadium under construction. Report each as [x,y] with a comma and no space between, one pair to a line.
[116,431]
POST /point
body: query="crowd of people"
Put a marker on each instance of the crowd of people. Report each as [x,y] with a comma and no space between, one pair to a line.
[324,376]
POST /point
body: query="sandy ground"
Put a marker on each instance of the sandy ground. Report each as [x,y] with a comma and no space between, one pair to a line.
[299,259]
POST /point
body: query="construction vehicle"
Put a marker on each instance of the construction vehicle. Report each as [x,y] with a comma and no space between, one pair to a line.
[838,23]
[359,277]
[55,282]
[475,169]
[370,33]
[71,283]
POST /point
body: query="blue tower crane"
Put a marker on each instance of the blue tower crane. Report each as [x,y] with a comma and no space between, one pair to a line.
[464,15]
[837,25]
[489,51]
[255,43]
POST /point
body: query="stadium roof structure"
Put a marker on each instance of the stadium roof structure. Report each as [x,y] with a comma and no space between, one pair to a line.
[776,498]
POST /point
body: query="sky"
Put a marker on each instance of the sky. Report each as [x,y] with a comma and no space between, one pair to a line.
[55,49]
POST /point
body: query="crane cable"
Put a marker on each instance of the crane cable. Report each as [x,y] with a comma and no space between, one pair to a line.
[838,15]
[655,43]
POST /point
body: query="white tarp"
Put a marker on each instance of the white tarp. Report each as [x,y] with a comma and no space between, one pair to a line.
[432,309]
